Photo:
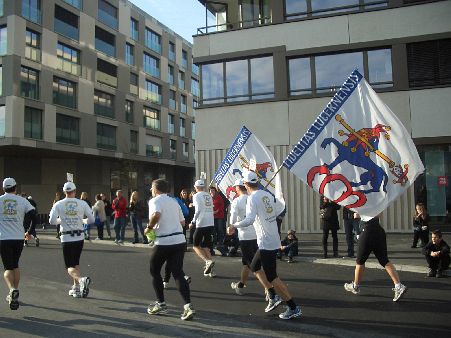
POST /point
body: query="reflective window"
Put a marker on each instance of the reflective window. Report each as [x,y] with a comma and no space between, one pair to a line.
[32,45]
[153,40]
[106,136]
[129,54]
[103,104]
[380,68]
[183,104]
[182,127]
[181,80]
[1,80]
[171,54]
[107,14]
[134,29]
[212,83]
[106,73]
[105,42]
[1,7]
[195,87]
[133,141]
[29,83]
[76,3]
[31,10]
[184,59]
[151,65]
[185,150]
[134,83]
[173,149]
[170,74]
[129,111]
[237,80]
[262,78]
[300,76]
[171,126]
[3,40]
[2,120]
[64,92]
[195,69]
[33,123]
[172,100]
[153,150]
[66,23]
[193,130]
[151,118]
[152,92]
[68,59]
[67,129]
[254,12]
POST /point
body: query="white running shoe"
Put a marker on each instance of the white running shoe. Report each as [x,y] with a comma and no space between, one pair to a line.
[75,291]
[188,312]
[157,309]
[288,314]
[399,292]
[84,286]
[165,285]
[188,279]
[13,299]
[273,303]
[209,266]
[350,287]
[238,290]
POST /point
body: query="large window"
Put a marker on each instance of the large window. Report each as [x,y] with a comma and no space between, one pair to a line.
[1,80]
[134,83]
[33,123]
[151,65]
[106,73]
[106,136]
[133,141]
[107,14]
[195,87]
[183,104]
[67,129]
[254,12]
[3,40]
[134,29]
[29,83]
[181,80]
[172,100]
[66,23]
[31,10]
[193,130]
[182,127]
[151,118]
[105,42]
[185,150]
[103,104]
[173,149]
[64,92]
[129,54]
[195,69]
[152,92]
[153,150]
[129,108]
[153,40]
[429,63]
[2,120]
[184,59]
[171,52]
[76,3]
[68,59]
[32,45]
[171,126]
[170,75]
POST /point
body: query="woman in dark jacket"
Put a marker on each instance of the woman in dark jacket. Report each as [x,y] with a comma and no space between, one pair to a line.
[329,222]
[420,225]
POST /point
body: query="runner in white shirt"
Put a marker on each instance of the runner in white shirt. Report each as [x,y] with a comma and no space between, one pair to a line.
[166,219]
[261,212]
[12,213]
[70,212]
[204,221]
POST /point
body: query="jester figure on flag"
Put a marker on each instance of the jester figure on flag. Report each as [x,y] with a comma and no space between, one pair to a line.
[357,152]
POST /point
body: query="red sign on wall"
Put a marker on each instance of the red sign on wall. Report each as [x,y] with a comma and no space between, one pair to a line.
[442,181]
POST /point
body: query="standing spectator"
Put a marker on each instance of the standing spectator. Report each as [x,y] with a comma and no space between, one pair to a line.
[279,219]
[437,255]
[99,215]
[108,213]
[87,227]
[56,199]
[356,223]
[289,246]
[28,220]
[191,215]
[218,214]
[329,222]
[137,209]
[187,201]
[119,206]
[348,219]
[420,225]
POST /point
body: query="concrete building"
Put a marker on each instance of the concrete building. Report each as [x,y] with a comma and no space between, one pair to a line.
[272,65]
[96,88]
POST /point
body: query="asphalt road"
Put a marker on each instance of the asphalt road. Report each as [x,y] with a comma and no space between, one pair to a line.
[121,291]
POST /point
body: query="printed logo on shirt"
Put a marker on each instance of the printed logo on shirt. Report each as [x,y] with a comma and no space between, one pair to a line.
[207,201]
[267,203]
[71,208]
[10,207]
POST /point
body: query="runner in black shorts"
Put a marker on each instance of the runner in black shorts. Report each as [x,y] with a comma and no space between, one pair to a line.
[373,239]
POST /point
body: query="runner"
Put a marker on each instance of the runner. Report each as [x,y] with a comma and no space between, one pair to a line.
[261,211]
[13,209]
[70,212]
[167,220]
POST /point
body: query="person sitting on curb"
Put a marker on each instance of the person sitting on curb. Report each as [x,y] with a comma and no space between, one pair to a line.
[437,255]
[289,246]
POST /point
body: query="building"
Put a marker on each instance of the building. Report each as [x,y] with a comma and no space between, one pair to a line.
[98,89]
[272,65]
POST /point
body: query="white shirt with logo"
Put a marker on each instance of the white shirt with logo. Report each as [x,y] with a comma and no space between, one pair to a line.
[238,213]
[12,212]
[71,212]
[261,211]
[203,210]
[168,229]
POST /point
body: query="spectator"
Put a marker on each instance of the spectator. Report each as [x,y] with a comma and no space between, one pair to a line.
[28,220]
[348,219]
[188,202]
[437,255]
[137,211]
[279,219]
[108,213]
[56,199]
[84,197]
[420,225]
[191,215]
[98,211]
[289,246]
[329,222]
[218,214]
[119,206]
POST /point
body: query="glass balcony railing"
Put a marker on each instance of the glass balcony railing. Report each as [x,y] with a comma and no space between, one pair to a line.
[103,110]
[106,79]
[65,29]
[32,53]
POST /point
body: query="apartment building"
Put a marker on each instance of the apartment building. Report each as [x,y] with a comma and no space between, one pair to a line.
[98,89]
[273,65]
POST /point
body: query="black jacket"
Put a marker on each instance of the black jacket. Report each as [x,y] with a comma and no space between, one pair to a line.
[431,247]
[329,215]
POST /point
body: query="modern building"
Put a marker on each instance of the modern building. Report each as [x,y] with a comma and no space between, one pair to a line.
[95,88]
[273,65]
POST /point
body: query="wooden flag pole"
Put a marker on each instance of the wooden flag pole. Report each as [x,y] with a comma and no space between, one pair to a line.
[275,174]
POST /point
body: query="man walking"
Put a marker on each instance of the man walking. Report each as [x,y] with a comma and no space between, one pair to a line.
[119,206]
[13,209]
[70,212]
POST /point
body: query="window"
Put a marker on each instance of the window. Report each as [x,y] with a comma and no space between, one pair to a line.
[171,52]
[429,63]
[32,45]
[170,75]
[107,14]
[151,65]
[3,40]
[67,129]
[184,59]
[153,150]
[193,130]
[173,149]
[172,100]
[68,59]
[103,104]
[183,104]
[171,126]
[106,136]
[129,54]
[212,83]
[133,141]
[151,118]
[29,83]
[181,80]
[31,10]
[134,29]
[195,87]
[153,40]
[185,150]
[105,42]
[129,111]
[1,7]
[1,80]
[64,92]
[76,3]
[380,72]
[195,69]
[33,123]
[182,127]
[300,78]
[134,83]
[254,12]
[2,121]
[152,92]
[106,73]
[66,23]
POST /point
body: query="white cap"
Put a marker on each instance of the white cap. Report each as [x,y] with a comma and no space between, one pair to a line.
[239,182]
[9,182]
[199,183]
[250,177]
[69,186]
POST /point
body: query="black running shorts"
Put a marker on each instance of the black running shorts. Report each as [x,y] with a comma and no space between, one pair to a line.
[72,253]
[202,237]
[248,250]
[266,259]
[372,239]
[10,250]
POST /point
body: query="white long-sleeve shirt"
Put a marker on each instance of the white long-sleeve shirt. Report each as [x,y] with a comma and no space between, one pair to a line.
[261,211]
[12,212]
[203,210]
[238,213]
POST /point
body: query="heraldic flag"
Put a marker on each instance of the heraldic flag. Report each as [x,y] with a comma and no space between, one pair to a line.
[248,152]
[357,152]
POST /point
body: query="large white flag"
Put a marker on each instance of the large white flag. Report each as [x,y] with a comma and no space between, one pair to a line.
[357,152]
[247,152]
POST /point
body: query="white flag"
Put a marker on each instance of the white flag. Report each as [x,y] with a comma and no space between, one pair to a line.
[357,152]
[246,152]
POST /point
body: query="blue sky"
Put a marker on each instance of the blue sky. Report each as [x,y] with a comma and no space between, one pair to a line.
[182,16]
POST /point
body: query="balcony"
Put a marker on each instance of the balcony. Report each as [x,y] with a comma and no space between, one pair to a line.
[106,79]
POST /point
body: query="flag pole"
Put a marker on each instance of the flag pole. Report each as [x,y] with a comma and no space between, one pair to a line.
[274,176]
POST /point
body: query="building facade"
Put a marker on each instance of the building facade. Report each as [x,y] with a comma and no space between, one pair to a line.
[98,89]
[273,65]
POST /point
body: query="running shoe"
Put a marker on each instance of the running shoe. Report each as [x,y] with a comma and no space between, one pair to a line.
[157,309]
[188,312]
[212,274]
[188,279]
[209,266]
[399,292]
[288,314]
[350,287]
[238,290]
[13,299]
[75,291]
[37,241]
[273,303]
[84,286]
[165,285]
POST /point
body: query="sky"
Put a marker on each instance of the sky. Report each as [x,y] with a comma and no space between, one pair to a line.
[181,16]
